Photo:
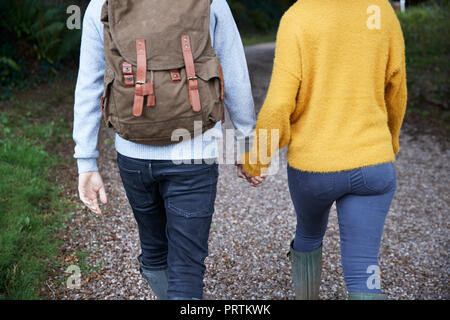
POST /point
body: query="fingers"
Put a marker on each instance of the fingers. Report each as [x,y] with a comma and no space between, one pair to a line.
[254,181]
[89,185]
[241,175]
[241,172]
[96,208]
[259,179]
[92,204]
[102,194]
[90,200]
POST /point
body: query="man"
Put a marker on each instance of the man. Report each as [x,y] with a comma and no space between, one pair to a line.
[173,203]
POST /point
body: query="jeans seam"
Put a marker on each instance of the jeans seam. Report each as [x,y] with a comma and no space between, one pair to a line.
[212,186]
[349,181]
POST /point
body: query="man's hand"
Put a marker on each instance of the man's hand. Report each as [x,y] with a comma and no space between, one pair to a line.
[254,181]
[89,184]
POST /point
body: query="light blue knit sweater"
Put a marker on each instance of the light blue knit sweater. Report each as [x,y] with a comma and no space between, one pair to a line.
[87,114]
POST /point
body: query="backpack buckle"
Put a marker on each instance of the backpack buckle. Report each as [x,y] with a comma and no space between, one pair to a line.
[175,75]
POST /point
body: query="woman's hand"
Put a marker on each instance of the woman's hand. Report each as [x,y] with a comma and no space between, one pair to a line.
[254,181]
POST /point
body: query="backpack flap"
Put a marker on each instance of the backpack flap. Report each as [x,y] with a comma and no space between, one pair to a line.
[161,29]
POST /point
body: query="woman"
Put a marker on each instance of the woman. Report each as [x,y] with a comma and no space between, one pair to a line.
[338,98]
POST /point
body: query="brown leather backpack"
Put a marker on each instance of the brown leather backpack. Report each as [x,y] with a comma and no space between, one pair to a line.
[161,71]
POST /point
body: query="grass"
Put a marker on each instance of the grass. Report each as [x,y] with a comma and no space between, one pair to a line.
[32,210]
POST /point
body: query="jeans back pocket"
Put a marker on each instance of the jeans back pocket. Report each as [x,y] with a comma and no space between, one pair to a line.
[192,193]
[380,178]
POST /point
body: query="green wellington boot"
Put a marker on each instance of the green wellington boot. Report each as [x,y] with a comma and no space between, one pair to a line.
[157,279]
[306,273]
[366,296]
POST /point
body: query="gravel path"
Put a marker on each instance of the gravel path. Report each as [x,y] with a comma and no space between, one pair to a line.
[252,229]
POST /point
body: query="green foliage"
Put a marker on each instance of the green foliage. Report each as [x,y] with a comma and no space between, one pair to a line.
[25,223]
[39,27]
[9,63]
[34,42]
[31,208]
[426,29]
[415,2]
[7,67]
[258,16]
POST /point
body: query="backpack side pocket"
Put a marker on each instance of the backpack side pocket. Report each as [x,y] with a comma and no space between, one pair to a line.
[107,99]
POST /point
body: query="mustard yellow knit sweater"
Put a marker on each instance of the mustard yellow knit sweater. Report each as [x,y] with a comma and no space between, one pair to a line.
[338,89]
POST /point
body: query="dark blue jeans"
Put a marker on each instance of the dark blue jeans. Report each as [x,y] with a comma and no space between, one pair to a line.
[363,197]
[173,206]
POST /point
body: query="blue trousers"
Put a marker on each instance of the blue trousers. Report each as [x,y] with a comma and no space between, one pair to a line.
[363,197]
[173,206]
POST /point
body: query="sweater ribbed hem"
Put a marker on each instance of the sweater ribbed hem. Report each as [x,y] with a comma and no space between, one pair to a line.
[87,165]
[201,147]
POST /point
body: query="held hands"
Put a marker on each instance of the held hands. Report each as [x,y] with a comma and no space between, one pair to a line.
[89,184]
[254,181]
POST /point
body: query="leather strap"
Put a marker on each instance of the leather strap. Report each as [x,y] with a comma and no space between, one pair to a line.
[151,100]
[150,93]
[147,89]
[144,90]
[194,95]
[141,76]
[102,105]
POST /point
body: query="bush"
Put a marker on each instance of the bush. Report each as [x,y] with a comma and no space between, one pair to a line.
[34,41]
[258,16]
[38,30]
[426,29]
